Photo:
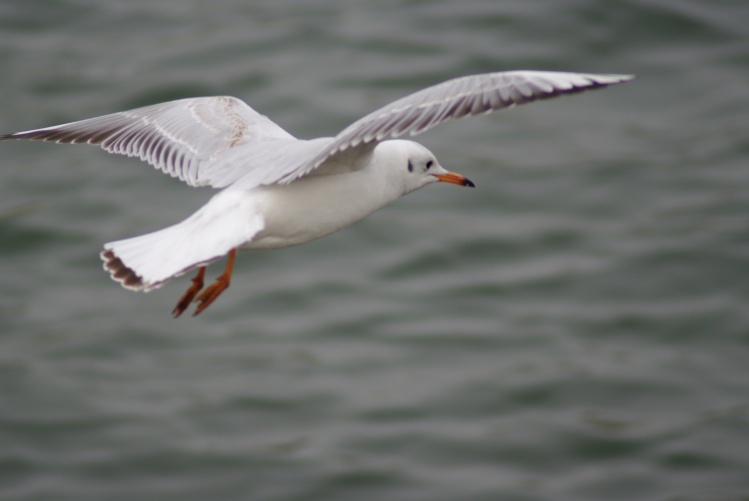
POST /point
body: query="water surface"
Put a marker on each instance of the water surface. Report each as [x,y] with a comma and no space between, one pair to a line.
[576,328]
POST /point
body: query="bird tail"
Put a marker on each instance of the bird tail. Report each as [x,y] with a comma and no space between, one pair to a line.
[147,262]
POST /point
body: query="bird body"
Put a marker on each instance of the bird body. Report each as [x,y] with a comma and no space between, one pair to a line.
[276,190]
[322,207]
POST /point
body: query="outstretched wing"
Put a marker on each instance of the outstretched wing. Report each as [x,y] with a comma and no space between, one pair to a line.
[458,98]
[185,139]
[215,141]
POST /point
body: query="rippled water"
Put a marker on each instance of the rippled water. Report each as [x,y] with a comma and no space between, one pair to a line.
[576,328]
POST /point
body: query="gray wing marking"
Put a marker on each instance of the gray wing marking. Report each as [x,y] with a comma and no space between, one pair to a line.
[216,141]
[458,98]
[186,139]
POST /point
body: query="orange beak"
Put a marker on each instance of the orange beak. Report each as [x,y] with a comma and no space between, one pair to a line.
[454,178]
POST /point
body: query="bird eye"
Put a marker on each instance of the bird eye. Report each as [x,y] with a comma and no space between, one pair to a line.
[429,164]
[410,166]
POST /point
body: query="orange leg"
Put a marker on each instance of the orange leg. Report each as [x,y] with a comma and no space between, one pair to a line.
[211,292]
[187,297]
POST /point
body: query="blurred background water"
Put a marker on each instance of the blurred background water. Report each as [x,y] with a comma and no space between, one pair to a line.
[576,328]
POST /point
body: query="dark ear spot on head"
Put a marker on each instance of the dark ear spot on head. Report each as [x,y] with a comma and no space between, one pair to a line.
[410,166]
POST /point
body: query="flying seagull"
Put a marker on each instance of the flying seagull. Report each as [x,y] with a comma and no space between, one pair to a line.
[277,190]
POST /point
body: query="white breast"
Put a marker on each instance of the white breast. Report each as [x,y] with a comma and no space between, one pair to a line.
[316,206]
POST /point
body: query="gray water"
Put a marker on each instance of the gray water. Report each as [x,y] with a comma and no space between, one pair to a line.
[576,328]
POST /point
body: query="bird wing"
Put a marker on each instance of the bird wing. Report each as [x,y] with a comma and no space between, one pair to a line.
[217,141]
[187,139]
[457,98]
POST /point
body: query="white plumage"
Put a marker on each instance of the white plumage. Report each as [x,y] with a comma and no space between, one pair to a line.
[278,190]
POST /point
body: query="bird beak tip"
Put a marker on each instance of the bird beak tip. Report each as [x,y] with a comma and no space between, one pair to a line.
[453,178]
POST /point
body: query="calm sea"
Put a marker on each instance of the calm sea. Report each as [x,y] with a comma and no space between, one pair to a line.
[574,329]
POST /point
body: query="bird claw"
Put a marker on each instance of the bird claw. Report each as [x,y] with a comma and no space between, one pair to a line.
[210,294]
[192,291]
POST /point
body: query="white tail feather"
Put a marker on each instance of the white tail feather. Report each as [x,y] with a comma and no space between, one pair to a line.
[148,261]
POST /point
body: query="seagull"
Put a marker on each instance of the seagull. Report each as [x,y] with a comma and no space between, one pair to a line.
[276,190]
